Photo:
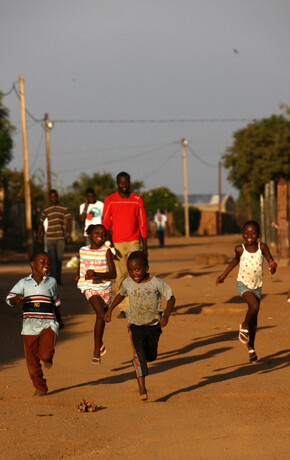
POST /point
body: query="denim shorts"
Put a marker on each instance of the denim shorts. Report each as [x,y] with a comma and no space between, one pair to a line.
[242,288]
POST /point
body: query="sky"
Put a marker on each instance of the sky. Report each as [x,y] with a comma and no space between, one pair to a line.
[123,81]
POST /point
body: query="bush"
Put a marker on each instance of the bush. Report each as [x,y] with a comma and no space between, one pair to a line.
[178,218]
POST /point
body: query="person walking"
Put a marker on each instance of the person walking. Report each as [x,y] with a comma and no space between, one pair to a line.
[58,225]
[161,223]
[91,212]
[125,219]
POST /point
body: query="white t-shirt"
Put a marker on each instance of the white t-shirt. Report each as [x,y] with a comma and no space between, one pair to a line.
[160,221]
[94,213]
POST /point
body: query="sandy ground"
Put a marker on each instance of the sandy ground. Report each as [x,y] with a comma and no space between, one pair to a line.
[205,400]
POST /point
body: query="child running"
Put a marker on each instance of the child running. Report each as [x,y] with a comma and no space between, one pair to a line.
[94,278]
[250,280]
[144,314]
[41,317]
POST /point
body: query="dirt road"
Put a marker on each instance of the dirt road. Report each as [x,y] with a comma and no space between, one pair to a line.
[205,400]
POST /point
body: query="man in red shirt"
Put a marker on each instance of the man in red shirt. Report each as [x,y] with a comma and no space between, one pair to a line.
[124,215]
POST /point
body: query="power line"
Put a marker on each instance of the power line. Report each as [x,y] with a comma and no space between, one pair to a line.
[183,120]
[37,120]
[199,158]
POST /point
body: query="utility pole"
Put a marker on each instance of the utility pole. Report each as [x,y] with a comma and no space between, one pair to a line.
[47,145]
[220,200]
[27,194]
[186,211]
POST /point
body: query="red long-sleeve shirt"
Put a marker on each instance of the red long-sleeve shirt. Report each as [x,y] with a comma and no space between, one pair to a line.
[125,217]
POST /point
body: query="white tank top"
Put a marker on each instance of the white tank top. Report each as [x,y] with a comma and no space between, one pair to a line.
[251,268]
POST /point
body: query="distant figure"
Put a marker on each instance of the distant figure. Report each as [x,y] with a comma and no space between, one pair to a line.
[94,278]
[144,315]
[41,317]
[250,279]
[161,223]
[91,211]
[124,214]
[58,225]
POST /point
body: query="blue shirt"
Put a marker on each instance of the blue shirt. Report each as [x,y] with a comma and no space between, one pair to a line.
[45,292]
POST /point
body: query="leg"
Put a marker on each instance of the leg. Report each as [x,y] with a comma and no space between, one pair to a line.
[46,346]
[253,309]
[97,304]
[60,244]
[137,337]
[51,249]
[123,250]
[151,342]
[31,348]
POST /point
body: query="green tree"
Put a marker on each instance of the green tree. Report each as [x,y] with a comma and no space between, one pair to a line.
[103,185]
[260,153]
[6,130]
[160,198]
[194,219]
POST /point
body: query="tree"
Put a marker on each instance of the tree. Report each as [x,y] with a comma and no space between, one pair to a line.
[6,130]
[103,185]
[260,153]
[160,198]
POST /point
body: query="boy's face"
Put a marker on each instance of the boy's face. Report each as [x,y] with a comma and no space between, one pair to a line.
[123,184]
[91,197]
[53,198]
[250,234]
[137,270]
[98,235]
[41,265]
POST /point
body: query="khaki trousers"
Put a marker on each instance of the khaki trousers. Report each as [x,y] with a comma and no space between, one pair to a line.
[123,250]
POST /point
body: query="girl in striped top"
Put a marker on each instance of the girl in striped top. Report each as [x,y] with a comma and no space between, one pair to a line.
[94,278]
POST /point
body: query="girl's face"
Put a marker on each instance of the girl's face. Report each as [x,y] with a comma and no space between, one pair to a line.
[137,270]
[250,234]
[98,236]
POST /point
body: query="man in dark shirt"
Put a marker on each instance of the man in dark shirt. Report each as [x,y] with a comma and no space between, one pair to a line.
[58,219]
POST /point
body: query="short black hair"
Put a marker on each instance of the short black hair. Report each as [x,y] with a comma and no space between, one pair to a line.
[91,228]
[52,190]
[90,190]
[123,174]
[138,255]
[35,254]
[252,222]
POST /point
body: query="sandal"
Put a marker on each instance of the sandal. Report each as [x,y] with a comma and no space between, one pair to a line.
[96,360]
[103,350]
[252,356]
[243,335]
[143,397]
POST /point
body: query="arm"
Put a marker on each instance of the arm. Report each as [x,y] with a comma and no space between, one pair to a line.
[15,300]
[58,317]
[40,232]
[267,254]
[144,244]
[68,230]
[118,299]
[232,264]
[83,214]
[109,275]
[77,275]
[170,304]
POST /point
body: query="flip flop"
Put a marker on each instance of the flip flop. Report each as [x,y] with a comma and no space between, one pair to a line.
[96,360]
[143,397]
[252,356]
[243,335]
[103,350]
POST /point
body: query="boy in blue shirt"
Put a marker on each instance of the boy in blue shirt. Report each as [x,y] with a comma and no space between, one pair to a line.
[41,317]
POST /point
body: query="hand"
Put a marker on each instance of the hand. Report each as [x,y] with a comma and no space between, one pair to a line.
[60,323]
[220,279]
[90,274]
[272,266]
[76,278]
[163,321]
[107,316]
[15,300]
